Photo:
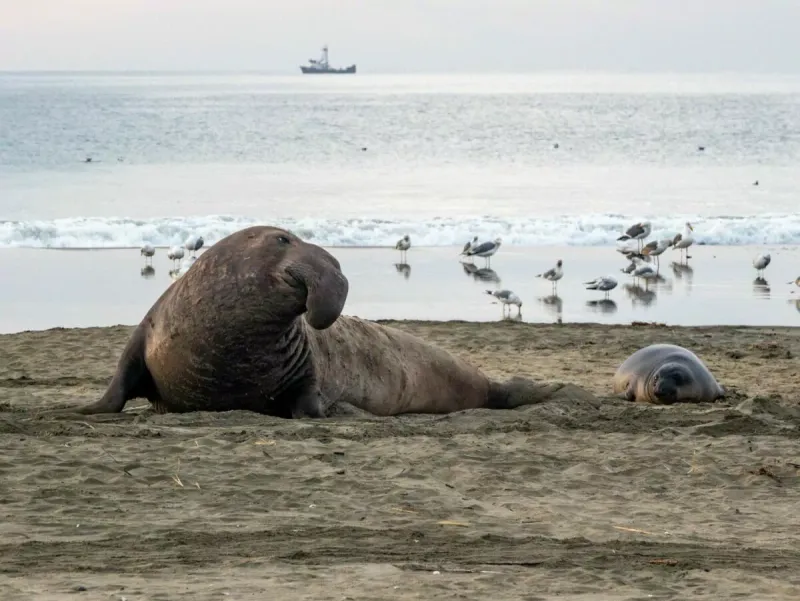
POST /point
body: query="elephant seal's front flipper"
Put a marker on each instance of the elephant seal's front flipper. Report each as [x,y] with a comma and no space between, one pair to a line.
[131,380]
[518,391]
[309,403]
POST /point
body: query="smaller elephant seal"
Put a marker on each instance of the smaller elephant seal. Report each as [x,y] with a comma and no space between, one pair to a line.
[666,374]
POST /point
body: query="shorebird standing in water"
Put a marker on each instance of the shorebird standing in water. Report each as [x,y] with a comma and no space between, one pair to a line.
[683,241]
[643,270]
[486,250]
[507,298]
[403,244]
[760,263]
[175,254]
[554,274]
[147,252]
[193,244]
[604,284]
[638,231]
[656,248]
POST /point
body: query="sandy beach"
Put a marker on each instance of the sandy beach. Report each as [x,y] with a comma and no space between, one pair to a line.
[595,500]
[84,288]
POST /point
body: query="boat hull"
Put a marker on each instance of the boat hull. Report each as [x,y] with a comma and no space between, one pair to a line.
[317,71]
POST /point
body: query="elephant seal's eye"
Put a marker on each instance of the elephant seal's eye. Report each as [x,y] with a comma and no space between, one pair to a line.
[283,239]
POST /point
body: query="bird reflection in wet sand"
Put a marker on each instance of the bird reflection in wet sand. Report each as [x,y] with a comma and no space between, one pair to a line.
[796,304]
[185,265]
[603,305]
[403,268]
[639,295]
[554,305]
[481,274]
[682,271]
[761,287]
[148,271]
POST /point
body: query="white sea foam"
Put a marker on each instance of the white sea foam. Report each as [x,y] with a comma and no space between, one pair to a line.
[588,230]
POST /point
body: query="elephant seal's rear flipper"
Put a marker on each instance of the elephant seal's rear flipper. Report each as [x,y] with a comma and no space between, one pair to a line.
[517,392]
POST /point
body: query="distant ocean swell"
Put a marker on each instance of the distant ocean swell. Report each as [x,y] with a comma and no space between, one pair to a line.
[588,230]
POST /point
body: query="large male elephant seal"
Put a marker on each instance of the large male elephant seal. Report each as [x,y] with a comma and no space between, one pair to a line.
[255,324]
[666,374]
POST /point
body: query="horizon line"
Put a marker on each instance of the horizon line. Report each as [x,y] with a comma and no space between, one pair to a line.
[192,71]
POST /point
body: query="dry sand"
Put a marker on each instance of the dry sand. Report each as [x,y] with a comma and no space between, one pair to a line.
[593,500]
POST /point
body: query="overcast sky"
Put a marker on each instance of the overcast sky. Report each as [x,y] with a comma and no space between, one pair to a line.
[403,35]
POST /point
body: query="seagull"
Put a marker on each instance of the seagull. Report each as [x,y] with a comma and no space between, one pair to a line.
[147,251]
[507,298]
[638,231]
[643,270]
[485,250]
[795,282]
[760,263]
[470,245]
[655,248]
[175,253]
[630,268]
[403,244]
[685,240]
[194,243]
[603,284]
[554,274]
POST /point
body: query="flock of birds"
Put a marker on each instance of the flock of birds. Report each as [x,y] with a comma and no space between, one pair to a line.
[175,254]
[643,261]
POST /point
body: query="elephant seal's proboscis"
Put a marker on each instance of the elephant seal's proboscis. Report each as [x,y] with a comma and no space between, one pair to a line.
[256,324]
[666,374]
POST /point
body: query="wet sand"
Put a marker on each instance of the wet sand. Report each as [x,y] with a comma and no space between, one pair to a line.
[597,499]
[51,288]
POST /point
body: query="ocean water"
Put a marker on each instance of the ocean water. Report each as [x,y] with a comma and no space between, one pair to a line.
[362,160]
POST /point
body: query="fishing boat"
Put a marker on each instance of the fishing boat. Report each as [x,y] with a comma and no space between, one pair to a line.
[321,65]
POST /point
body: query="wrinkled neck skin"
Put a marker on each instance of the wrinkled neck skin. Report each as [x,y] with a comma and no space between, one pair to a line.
[229,366]
[293,366]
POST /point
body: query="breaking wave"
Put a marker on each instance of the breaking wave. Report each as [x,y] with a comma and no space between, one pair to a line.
[588,230]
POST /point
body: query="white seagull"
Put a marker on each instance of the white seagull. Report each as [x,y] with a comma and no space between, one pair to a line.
[761,262]
[486,250]
[175,253]
[507,298]
[603,284]
[403,244]
[147,251]
[685,240]
[193,244]
[643,270]
[795,282]
[554,274]
[638,231]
